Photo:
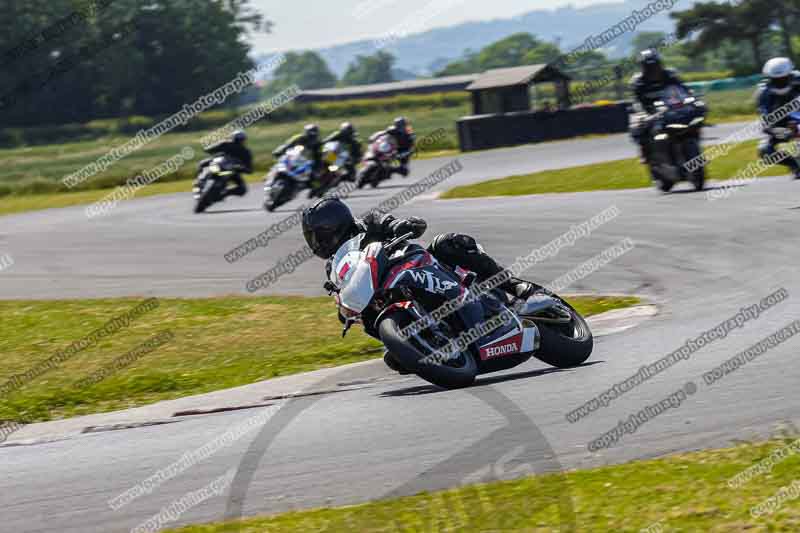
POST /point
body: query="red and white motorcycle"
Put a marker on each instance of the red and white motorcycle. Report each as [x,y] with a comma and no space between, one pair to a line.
[394,290]
[378,161]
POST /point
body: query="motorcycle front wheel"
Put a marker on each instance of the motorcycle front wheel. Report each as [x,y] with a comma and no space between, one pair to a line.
[209,194]
[366,176]
[419,355]
[277,194]
[691,149]
[565,345]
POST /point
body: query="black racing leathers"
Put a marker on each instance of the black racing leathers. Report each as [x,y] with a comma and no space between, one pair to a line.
[241,154]
[452,249]
[647,93]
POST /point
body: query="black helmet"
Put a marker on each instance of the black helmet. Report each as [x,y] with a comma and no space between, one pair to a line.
[311,131]
[400,123]
[651,64]
[347,128]
[238,136]
[327,225]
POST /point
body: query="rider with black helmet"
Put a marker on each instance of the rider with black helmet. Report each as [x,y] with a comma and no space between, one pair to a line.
[311,141]
[328,224]
[648,87]
[233,147]
[347,135]
[404,137]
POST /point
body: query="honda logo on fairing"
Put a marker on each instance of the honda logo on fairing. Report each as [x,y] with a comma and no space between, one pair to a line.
[502,349]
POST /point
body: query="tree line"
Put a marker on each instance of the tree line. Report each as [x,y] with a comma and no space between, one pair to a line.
[70,61]
[67,61]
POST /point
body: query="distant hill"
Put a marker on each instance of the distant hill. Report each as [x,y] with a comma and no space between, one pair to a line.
[426,52]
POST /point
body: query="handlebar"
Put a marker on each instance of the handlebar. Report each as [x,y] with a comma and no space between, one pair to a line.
[399,240]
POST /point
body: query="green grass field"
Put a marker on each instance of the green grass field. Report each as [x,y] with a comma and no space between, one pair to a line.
[622,174]
[30,175]
[218,343]
[685,493]
[33,169]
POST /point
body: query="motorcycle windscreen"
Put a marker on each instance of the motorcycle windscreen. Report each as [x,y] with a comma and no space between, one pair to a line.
[353,245]
[358,281]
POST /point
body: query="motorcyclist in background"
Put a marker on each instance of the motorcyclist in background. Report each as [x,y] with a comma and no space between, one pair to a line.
[405,138]
[233,147]
[782,85]
[648,87]
[347,135]
[311,141]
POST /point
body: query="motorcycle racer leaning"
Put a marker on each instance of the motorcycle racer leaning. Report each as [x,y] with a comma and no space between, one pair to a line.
[404,136]
[347,135]
[329,223]
[647,87]
[780,88]
[235,148]
[311,141]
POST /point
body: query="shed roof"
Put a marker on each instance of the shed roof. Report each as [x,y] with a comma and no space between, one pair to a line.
[509,77]
[366,91]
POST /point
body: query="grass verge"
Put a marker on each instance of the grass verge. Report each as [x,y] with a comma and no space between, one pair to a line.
[218,343]
[621,174]
[680,493]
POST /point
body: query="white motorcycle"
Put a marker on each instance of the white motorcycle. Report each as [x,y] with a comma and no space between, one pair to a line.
[392,290]
[290,174]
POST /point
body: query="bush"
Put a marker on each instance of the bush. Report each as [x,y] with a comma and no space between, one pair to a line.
[37,186]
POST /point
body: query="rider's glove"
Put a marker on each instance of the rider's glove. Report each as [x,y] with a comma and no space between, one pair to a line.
[414,225]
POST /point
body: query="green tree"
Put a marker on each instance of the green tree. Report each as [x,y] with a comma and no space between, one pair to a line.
[718,23]
[645,39]
[370,69]
[307,70]
[124,58]
[515,50]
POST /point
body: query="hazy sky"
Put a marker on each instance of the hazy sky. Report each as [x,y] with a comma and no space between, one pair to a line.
[320,23]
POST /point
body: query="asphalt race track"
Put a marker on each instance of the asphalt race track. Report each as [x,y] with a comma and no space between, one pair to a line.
[380,434]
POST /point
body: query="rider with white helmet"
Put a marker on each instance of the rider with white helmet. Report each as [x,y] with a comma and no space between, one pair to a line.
[780,87]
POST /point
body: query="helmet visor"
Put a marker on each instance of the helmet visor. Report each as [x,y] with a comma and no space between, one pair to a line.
[780,83]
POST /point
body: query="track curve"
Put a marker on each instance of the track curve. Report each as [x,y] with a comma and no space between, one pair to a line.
[699,261]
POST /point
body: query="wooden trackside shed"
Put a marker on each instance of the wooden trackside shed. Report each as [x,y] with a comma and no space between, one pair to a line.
[507,90]
[503,115]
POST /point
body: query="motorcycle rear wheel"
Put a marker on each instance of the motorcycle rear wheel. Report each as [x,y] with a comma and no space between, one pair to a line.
[410,354]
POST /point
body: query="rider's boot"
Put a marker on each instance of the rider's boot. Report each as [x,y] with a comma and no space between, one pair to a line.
[795,166]
[643,154]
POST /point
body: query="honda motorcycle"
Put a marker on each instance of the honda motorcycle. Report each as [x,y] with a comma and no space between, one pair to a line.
[392,289]
[378,161]
[209,187]
[679,120]
[291,174]
[336,162]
